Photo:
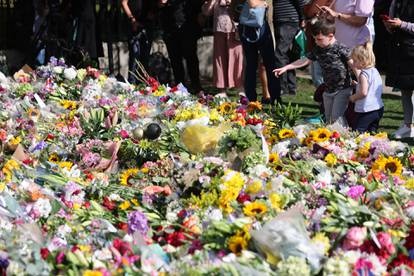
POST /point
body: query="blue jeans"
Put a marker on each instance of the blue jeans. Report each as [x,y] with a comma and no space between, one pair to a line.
[369,121]
[265,47]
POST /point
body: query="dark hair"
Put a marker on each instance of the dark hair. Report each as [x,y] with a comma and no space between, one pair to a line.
[322,25]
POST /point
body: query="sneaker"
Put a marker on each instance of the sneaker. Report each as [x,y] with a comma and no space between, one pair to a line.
[404,132]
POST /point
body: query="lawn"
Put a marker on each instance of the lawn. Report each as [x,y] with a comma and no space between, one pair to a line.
[393,115]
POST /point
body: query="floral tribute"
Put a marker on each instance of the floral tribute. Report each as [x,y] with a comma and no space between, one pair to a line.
[99,177]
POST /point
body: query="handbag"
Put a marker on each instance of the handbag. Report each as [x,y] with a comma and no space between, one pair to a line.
[252,17]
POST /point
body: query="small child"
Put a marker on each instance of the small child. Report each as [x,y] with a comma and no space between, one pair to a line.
[368,104]
[335,61]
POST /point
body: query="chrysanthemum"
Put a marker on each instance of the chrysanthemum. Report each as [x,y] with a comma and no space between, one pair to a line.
[255,209]
[237,244]
[286,133]
[68,104]
[322,134]
[126,175]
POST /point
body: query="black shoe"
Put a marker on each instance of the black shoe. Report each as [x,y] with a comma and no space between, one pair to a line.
[292,93]
[266,101]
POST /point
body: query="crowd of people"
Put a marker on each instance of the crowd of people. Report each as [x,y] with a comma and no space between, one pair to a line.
[340,37]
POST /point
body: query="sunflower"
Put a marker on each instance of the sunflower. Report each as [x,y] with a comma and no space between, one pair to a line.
[32,112]
[126,175]
[237,244]
[322,134]
[54,158]
[286,133]
[226,108]
[274,158]
[255,209]
[388,165]
[254,106]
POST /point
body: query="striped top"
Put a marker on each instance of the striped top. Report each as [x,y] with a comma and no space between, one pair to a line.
[288,10]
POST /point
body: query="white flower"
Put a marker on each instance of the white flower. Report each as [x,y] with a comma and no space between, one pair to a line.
[103,255]
[324,177]
[214,214]
[43,207]
[70,73]
[281,148]
[58,69]
[171,216]
[5,225]
[115,197]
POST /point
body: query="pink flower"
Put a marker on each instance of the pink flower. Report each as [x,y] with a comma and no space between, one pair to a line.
[355,238]
[355,192]
[124,134]
[386,242]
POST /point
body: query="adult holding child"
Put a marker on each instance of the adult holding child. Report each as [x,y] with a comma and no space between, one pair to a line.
[400,74]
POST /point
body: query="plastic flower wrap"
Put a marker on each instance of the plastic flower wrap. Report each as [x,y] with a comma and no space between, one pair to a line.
[286,236]
[201,139]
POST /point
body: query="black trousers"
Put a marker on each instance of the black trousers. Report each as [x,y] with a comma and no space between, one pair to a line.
[182,45]
[284,36]
[369,121]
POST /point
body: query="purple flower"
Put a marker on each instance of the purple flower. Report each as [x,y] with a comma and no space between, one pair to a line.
[356,191]
[244,100]
[40,146]
[4,263]
[137,221]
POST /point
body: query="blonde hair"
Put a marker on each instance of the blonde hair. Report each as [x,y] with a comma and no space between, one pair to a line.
[364,55]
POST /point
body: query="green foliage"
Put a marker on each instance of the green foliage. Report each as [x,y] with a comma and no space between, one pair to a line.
[287,115]
[170,141]
[239,139]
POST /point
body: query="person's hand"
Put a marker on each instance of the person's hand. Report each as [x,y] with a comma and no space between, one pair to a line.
[394,23]
[302,24]
[162,3]
[388,26]
[329,11]
[279,71]
[354,83]
[351,98]
[135,25]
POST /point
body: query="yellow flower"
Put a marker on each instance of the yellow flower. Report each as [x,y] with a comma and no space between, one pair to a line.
[124,205]
[409,184]
[322,135]
[252,106]
[2,186]
[227,196]
[255,209]
[135,202]
[85,248]
[254,188]
[226,108]
[53,158]
[33,112]
[330,159]
[145,170]
[390,165]
[15,140]
[92,273]
[277,201]
[65,164]
[286,133]
[126,175]
[323,240]
[237,244]
[397,233]
[363,153]
[381,135]
[68,104]
[214,115]
[274,158]
[159,93]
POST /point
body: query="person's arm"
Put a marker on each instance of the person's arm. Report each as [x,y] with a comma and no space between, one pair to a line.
[294,65]
[356,71]
[208,7]
[350,19]
[363,89]
[397,23]
[127,10]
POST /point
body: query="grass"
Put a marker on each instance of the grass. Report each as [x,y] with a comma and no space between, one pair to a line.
[391,121]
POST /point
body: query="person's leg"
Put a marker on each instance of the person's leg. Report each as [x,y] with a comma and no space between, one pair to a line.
[407,98]
[340,104]
[235,61]
[364,121]
[220,60]
[327,104]
[284,35]
[373,127]
[251,55]
[267,52]
[189,47]
[175,54]
[263,80]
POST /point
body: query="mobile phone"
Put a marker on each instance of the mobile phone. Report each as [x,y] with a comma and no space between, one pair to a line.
[384,17]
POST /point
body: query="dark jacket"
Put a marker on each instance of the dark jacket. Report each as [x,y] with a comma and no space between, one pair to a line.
[181,15]
[401,54]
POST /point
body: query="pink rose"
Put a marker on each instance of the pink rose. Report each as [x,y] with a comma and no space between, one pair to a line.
[355,238]
[386,242]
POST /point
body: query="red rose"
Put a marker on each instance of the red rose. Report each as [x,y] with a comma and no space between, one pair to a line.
[175,239]
[109,204]
[243,197]
[44,252]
